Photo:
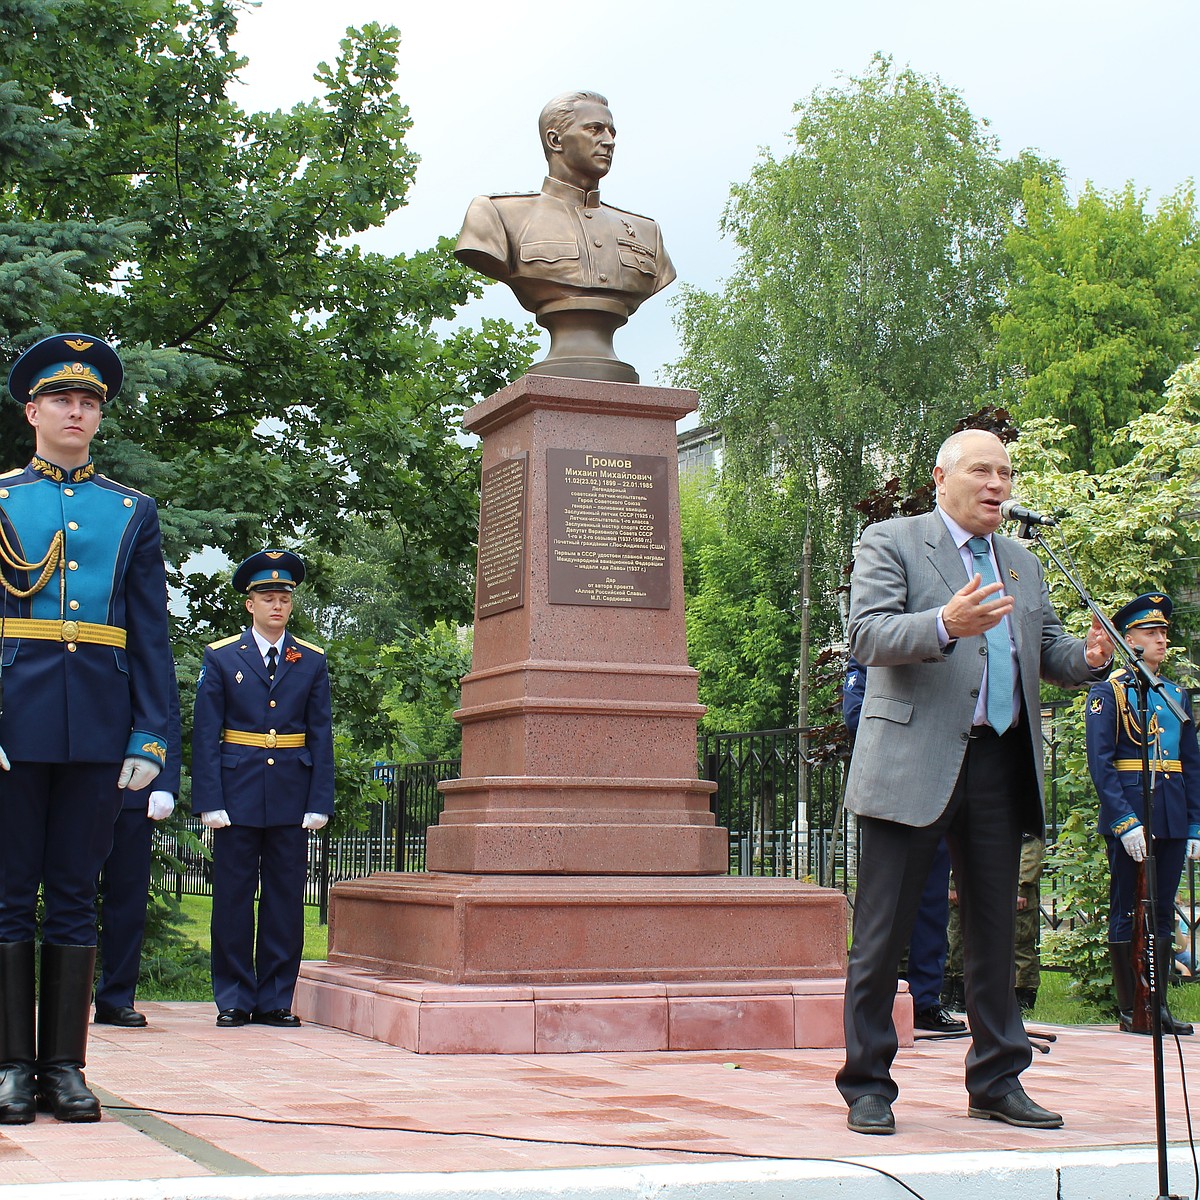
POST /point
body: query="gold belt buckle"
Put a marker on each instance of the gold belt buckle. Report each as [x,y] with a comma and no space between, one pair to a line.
[271,740]
[70,631]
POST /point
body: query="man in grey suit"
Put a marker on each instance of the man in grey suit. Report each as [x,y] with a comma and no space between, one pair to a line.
[956,626]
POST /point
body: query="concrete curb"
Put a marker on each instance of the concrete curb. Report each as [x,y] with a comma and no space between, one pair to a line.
[1126,1174]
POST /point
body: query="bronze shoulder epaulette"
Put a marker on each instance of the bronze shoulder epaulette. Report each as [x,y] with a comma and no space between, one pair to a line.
[630,213]
[309,645]
[504,196]
[237,637]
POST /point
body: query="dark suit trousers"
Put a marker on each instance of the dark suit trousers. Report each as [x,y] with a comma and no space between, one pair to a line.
[125,892]
[257,973]
[993,800]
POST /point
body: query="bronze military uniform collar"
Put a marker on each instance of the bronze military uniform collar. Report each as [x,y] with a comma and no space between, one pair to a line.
[571,194]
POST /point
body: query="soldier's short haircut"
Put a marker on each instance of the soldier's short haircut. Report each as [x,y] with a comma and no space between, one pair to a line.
[559,113]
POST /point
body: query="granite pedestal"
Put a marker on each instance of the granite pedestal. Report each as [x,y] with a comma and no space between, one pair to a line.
[576,894]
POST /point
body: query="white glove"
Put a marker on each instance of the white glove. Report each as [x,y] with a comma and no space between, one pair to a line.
[1193,848]
[215,820]
[137,773]
[5,765]
[1134,842]
[314,821]
[161,806]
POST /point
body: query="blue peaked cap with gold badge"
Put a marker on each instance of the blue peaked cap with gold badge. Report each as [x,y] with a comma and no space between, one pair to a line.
[269,570]
[66,360]
[1151,610]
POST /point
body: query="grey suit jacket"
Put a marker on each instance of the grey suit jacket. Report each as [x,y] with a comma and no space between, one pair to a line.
[917,712]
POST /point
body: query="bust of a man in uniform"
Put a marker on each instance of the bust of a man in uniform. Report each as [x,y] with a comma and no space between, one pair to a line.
[582,267]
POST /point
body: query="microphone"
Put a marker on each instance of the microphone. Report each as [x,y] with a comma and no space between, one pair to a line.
[1012,510]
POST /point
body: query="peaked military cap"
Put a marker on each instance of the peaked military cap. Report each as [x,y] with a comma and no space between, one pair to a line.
[1151,610]
[269,570]
[66,360]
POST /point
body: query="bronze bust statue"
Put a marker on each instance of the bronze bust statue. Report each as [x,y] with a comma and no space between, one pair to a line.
[580,266]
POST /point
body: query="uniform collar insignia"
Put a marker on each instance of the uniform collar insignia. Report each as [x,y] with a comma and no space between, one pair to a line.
[51,471]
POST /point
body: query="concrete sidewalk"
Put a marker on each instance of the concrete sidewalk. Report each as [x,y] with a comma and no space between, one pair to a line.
[185,1101]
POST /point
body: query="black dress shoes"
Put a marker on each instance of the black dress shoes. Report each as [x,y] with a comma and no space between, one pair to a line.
[122,1016]
[231,1018]
[937,1019]
[871,1114]
[1015,1109]
[280,1017]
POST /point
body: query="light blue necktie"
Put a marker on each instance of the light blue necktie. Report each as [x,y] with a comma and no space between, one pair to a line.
[999,655]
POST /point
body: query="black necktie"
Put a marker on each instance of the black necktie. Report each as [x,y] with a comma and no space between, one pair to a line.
[272,659]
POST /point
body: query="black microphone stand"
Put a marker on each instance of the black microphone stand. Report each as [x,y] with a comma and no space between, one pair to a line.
[1146,683]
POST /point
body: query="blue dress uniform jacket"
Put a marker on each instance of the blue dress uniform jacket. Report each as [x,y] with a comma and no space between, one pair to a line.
[1114,750]
[272,782]
[71,698]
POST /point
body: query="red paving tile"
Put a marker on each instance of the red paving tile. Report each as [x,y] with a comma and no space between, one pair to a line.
[497,1112]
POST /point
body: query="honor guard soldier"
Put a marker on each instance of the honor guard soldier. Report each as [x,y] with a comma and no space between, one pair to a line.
[86,675]
[125,888]
[1115,740]
[262,777]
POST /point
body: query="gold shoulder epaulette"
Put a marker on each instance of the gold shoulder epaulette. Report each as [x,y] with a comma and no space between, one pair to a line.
[237,637]
[14,471]
[144,495]
[309,645]
[1115,675]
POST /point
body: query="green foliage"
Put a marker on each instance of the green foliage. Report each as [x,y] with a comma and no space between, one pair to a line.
[1104,303]
[740,585]
[424,692]
[855,326]
[1131,527]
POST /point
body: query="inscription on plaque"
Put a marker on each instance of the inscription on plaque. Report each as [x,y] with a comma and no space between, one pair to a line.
[500,576]
[607,524]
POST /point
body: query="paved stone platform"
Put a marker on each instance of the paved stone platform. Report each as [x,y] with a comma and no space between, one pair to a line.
[186,1101]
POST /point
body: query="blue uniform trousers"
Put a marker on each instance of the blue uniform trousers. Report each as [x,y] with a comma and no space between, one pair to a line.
[257,974]
[927,947]
[1169,854]
[124,892]
[57,821]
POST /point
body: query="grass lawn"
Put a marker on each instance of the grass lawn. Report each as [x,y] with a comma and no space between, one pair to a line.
[1056,1006]
[197,911]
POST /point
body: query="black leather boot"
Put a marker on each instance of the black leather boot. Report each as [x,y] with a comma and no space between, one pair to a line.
[63,1010]
[1165,958]
[1121,955]
[18,1099]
